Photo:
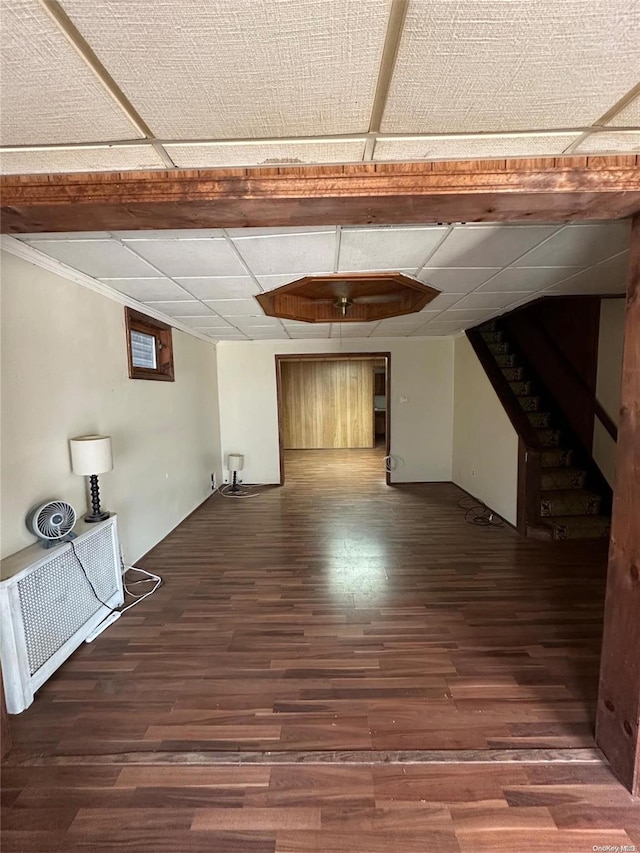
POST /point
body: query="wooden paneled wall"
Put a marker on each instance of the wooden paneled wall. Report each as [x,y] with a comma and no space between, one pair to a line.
[327,404]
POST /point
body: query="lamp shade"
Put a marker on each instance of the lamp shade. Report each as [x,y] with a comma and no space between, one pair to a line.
[235,462]
[91,454]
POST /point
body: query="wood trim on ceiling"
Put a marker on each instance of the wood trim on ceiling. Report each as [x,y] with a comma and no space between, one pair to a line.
[552,189]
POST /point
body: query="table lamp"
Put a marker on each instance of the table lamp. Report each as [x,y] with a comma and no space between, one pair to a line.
[90,456]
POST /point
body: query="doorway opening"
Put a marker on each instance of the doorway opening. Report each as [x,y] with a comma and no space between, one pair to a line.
[334,415]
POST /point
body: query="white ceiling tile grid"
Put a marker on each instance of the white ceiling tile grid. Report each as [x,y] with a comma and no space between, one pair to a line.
[624,141]
[484,65]
[79,159]
[528,261]
[98,258]
[241,69]
[269,153]
[306,252]
[48,94]
[387,248]
[464,147]
[208,257]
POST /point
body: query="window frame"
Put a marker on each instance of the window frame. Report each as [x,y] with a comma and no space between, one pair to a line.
[161,332]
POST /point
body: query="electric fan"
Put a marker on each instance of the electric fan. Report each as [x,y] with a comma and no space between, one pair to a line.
[52,522]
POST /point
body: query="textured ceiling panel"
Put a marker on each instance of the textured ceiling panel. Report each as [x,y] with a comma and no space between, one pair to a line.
[461,147]
[190,257]
[212,155]
[98,159]
[607,277]
[306,253]
[523,279]
[236,307]
[629,116]
[488,245]
[148,289]
[611,143]
[220,288]
[98,258]
[456,280]
[579,246]
[490,301]
[48,94]
[182,308]
[241,70]
[387,248]
[476,65]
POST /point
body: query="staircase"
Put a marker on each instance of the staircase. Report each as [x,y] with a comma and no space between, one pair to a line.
[569,509]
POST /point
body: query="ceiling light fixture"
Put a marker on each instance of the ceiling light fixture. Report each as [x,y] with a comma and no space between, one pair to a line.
[343,304]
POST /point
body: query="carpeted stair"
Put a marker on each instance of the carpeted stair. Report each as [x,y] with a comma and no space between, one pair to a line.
[568,509]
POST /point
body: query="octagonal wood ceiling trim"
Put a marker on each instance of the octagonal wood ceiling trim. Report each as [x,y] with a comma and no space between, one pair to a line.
[347,298]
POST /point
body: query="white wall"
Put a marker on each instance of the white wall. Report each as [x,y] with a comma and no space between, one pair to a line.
[421,428]
[485,445]
[64,373]
[608,382]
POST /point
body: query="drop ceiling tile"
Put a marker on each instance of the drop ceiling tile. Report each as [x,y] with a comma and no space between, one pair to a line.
[274,232]
[183,308]
[148,289]
[181,258]
[210,322]
[471,147]
[428,332]
[169,234]
[486,65]
[622,142]
[459,315]
[608,277]
[48,94]
[629,116]
[251,321]
[236,307]
[98,258]
[64,235]
[242,70]
[222,287]
[456,279]
[310,253]
[256,334]
[441,302]
[270,282]
[526,278]
[579,246]
[490,301]
[86,159]
[272,153]
[387,248]
[488,245]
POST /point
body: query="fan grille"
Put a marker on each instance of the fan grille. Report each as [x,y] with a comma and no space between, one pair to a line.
[54,520]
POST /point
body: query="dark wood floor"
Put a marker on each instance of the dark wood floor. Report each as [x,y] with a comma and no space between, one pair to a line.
[334,613]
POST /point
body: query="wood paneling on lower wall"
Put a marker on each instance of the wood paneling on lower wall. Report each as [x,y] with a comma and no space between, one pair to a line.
[327,404]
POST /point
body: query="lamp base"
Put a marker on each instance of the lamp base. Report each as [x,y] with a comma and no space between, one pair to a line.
[93,517]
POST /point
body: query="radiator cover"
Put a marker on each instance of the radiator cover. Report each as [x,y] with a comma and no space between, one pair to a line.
[48,608]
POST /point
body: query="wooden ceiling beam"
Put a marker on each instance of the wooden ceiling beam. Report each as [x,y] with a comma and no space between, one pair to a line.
[543,189]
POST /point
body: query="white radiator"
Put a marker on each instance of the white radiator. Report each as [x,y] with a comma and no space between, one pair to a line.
[47,606]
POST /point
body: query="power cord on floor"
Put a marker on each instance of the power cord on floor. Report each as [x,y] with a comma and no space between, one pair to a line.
[116,612]
[478,513]
[241,492]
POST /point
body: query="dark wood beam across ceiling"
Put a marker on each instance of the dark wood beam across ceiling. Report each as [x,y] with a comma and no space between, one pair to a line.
[548,189]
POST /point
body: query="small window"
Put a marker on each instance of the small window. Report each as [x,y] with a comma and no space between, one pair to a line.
[149,347]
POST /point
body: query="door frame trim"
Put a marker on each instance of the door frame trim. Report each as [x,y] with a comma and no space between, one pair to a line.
[334,356]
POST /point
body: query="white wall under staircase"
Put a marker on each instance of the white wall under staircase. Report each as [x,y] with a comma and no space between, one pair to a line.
[485,445]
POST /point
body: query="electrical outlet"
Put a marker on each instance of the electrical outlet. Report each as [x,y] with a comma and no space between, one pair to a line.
[214,483]
[473,472]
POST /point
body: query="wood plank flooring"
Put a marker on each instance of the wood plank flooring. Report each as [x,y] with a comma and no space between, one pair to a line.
[333,614]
